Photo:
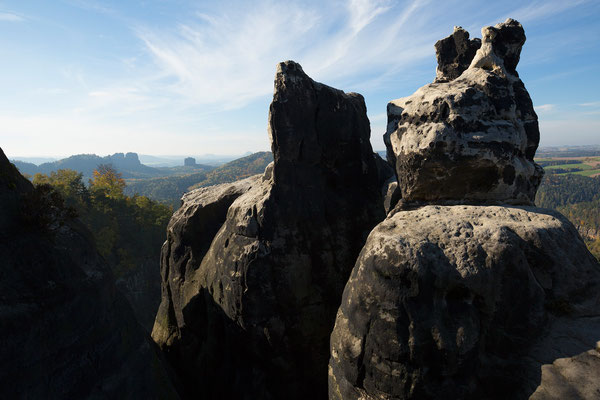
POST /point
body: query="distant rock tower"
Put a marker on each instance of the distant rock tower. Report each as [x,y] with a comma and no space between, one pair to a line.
[189,162]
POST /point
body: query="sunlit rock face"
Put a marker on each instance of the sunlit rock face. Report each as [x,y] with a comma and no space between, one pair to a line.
[471,135]
[468,302]
[466,290]
[253,272]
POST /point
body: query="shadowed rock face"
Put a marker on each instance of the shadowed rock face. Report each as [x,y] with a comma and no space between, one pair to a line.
[253,272]
[454,54]
[471,139]
[66,332]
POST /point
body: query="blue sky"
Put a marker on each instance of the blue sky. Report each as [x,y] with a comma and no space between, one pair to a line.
[194,77]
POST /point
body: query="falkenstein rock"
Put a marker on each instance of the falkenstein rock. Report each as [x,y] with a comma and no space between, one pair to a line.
[66,331]
[470,139]
[453,298]
[253,271]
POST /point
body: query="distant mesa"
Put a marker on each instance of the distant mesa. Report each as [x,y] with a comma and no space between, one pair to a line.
[189,162]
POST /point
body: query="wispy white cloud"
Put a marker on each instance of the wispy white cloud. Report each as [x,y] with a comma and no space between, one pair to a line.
[544,8]
[591,104]
[10,17]
[92,5]
[545,107]
[227,60]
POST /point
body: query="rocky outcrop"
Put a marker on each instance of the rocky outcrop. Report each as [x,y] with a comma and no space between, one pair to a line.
[66,332]
[588,232]
[571,378]
[252,282]
[454,300]
[454,54]
[454,296]
[471,139]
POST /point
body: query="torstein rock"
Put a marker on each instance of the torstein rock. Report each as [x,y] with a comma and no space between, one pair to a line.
[466,290]
[470,139]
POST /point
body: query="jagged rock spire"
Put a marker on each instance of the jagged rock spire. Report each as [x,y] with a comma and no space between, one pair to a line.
[471,136]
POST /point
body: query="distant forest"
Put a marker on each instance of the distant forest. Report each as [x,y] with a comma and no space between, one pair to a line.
[170,189]
[578,198]
[149,202]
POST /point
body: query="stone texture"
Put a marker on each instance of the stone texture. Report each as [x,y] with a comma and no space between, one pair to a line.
[471,139]
[468,302]
[249,297]
[576,377]
[454,54]
[66,331]
[142,289]
[388,183]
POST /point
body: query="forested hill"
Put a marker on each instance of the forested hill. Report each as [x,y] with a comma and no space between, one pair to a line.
[127,164]
[578,198]
[170,189]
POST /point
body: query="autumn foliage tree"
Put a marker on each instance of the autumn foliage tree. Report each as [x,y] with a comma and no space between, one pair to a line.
[128,230]
[107,181]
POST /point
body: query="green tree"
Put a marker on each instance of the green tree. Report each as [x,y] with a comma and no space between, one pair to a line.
[68,183]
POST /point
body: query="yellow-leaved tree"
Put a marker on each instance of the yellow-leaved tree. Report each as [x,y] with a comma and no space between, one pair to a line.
[108,181]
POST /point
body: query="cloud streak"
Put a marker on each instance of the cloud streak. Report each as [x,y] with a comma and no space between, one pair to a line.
[227,60]
[545,107]
[10,17]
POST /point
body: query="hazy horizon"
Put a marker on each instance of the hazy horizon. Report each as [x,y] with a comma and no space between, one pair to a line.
[156,77]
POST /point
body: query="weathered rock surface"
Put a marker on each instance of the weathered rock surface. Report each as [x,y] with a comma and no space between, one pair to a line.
[388,183]
[468,302]
[471,139]
[142,289]
[251,284]
[575,377]
[454,54]
[66,332]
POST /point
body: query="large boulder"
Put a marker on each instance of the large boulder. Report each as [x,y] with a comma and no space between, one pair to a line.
[66,331]
[470,139]
[468,302]
[251,288]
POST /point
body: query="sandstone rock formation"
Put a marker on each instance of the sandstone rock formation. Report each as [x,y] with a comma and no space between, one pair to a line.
[460,301]
[253,272]
[455,297]
[66,332]
[471,139]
